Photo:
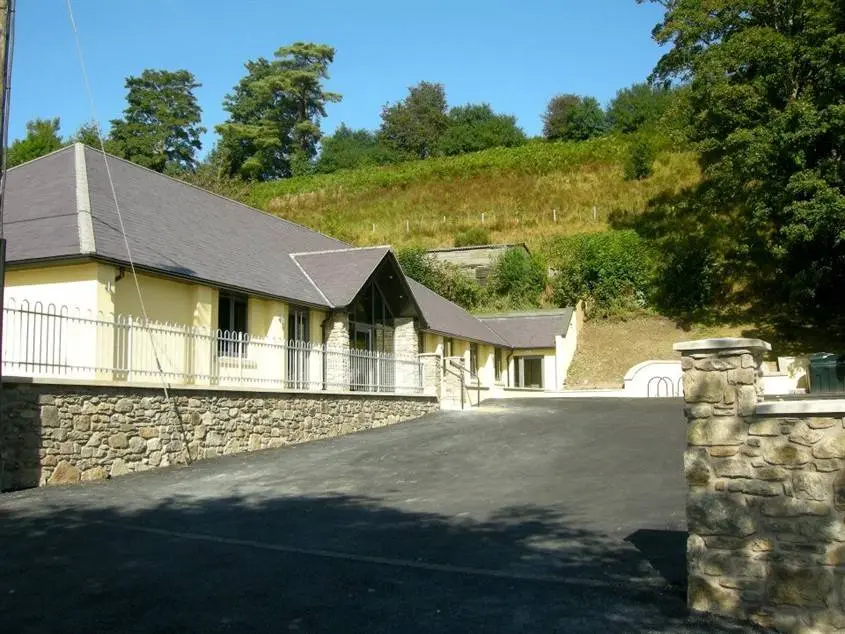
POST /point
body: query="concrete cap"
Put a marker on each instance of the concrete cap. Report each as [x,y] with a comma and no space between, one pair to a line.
[803,406]
[724,343]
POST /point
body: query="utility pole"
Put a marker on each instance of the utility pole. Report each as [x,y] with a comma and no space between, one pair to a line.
[7,24]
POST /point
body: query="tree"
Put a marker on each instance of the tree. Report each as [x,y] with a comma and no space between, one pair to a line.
[415,125]
[476,127]
[638,106]
[88,134]
[573,118]
[42,137]
[161,127]
[347,148]
[767,113]
[274,113]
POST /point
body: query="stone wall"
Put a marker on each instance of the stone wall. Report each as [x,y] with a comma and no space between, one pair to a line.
[766,503]
[57,433]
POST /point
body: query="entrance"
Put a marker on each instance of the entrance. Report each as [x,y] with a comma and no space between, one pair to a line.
[528,372]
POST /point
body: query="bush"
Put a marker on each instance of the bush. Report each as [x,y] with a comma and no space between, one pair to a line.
[473,236]
[613,271]
[640,160]
[519,276]
[443,278]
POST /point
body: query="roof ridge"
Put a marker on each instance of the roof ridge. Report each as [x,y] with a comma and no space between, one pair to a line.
[216,195]
[382,246]
[43,156]
[84,218]
[308,277]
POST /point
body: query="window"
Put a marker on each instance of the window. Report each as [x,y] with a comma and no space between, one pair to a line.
[528,372]
[448,346]
[232,322]
[473,359]
[298,348]
[497,363]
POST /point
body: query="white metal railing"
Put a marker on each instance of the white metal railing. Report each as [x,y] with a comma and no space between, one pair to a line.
[68,343]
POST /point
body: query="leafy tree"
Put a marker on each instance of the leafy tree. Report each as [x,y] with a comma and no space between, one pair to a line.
[415,125]
[476,127]
[519,276]
[639,163]
[443,278]
[767,109]
[348,148]
[274,113]
[42,137]
[88,134]
[573,118]
[638,106]
[161,127]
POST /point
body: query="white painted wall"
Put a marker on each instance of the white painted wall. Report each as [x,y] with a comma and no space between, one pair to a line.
[654,378]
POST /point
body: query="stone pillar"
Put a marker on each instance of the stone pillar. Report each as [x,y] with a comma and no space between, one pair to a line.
[432,367]
[722,386]
[406,351]
[337,351]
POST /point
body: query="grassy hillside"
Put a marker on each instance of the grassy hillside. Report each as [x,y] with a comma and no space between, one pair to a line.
[424,203]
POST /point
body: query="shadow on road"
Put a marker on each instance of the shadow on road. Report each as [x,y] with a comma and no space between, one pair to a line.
[326,564]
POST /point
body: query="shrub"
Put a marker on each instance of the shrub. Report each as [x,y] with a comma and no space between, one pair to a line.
[471,237]
[519,276]
[640,160]
[613,271]
[443,278]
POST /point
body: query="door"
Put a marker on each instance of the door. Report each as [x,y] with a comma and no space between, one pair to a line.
[363,371]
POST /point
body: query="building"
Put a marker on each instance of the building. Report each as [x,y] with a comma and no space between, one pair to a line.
[227,295]
[476,261]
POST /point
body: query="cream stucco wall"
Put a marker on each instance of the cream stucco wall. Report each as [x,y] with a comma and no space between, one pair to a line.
[74,286]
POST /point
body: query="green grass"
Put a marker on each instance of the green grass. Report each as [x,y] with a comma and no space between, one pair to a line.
[425,203]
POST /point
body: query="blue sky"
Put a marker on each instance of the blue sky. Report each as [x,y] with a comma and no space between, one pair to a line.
[513,55]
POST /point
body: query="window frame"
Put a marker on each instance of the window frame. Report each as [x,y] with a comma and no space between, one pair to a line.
[232,346]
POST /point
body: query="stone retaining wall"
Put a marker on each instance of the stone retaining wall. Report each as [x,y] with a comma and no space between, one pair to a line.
[766,504]
[57,433]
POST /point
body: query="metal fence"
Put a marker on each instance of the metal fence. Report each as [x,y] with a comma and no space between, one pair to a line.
[68,343]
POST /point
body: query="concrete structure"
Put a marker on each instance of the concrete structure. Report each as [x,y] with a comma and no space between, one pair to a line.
[766,501]
[476,261]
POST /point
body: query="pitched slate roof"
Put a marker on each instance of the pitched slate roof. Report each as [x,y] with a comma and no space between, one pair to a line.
[340,273]
[530,330]
[61,207]
[446,318]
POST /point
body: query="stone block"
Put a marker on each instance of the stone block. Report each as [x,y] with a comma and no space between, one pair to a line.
[746,396]
[717,365]
[791,507]
[698,410]
[765,427]
[732,468]
[687,363]
[720,451]
[773,474]
[64,473]
[826,466]
[82,422]
[214,439]
[747,361]
[783,453]
[254,442]
[716,431]
[811,486]
[821,423]
[804,587]
[124,405]
[705,387]
[706,595]
[49,416]
[755,487]
[802,434]
[137,444]
[94,473]
[118,441]
[710,513]
[147,432]
[154,444]
[119,468]
[831,447]
[745,376]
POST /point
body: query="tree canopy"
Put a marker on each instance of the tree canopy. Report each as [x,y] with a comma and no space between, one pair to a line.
[42,137]
[767,112]
[475,127]
[415,125]
[160,128]
[573,118]
[347,148]
[638,106]
[274,113]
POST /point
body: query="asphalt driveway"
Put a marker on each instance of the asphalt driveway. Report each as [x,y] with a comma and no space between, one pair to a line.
[534,516]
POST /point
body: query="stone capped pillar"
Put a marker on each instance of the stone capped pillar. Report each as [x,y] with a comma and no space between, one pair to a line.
[722,386]
[337,351]
[406,351]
